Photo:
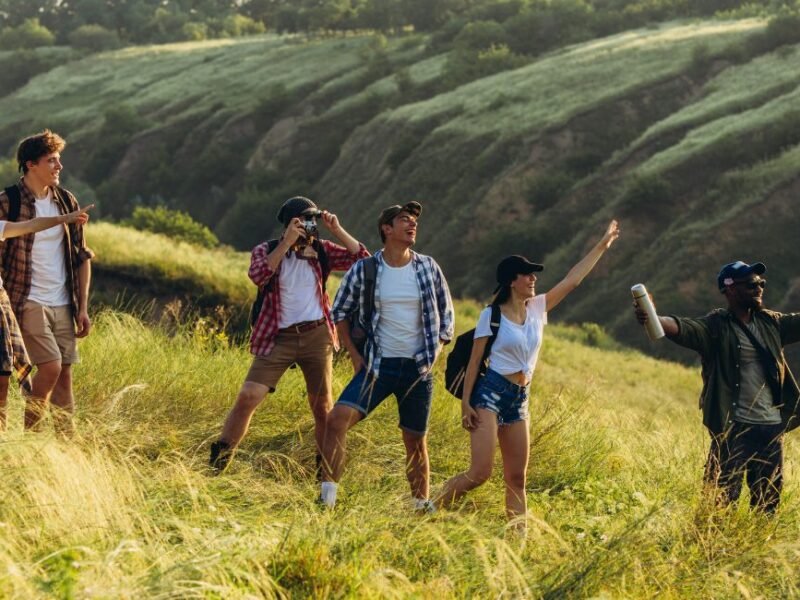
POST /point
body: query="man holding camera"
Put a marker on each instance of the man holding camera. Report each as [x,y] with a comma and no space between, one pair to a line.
[293,323]
[411,318]
[750,397]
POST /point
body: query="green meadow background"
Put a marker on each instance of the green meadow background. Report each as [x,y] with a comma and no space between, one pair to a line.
[523,126]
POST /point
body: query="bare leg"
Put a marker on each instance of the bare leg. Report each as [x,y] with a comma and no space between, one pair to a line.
[339,421]
[250,396]
[44,381]
[483,440]
[514,446]
[418,466]
[62,403]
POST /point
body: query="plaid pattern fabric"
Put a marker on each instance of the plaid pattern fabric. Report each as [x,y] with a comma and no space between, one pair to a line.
[438,317]
[262,339]
[13,356]
[17,264]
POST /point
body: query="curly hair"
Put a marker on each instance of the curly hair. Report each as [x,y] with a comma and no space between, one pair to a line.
[34,147]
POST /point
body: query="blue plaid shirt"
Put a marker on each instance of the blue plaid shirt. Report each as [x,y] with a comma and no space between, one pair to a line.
[438,317]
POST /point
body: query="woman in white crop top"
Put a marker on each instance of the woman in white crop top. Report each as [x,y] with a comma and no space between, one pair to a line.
[495,406]
[13,356]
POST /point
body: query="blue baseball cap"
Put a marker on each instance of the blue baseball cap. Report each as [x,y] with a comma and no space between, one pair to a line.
[738,270]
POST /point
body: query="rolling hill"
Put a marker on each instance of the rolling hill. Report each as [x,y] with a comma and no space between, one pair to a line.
[687,132]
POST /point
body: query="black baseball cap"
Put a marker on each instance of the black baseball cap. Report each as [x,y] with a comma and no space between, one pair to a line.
[389,213]
[511,266]
[295,207]
[738,270]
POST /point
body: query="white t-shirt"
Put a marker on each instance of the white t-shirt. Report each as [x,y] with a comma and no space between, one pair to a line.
[516,347]
[299,297]
[49,285]
[399,332]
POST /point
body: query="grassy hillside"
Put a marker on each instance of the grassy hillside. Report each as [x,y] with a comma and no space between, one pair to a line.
[687,132]
[128,509]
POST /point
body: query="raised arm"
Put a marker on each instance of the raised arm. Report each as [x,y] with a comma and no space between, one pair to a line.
[18,228]
[583,268]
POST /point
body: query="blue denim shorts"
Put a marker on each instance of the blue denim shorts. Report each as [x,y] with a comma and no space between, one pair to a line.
[507,400]
[398,376]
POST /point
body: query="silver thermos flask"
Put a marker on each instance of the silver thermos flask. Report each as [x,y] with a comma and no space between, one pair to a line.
[642,298]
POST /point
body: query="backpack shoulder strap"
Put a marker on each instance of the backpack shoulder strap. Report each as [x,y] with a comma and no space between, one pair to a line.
[324,263]
[370,276]
[494,325]
[14,202]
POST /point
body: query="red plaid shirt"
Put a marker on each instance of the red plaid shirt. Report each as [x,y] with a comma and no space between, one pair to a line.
[262,340]
[17,264]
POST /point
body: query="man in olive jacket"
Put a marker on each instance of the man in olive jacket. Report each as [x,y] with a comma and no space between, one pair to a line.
[750,397]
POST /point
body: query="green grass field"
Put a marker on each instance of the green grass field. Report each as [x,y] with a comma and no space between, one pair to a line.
[128,510]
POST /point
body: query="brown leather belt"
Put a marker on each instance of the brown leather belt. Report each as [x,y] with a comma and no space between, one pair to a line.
[303,326]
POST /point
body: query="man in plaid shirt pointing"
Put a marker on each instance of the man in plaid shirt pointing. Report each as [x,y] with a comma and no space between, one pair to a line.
[289,328]
[412,318]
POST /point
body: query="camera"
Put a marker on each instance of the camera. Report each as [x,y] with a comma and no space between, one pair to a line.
[309,223]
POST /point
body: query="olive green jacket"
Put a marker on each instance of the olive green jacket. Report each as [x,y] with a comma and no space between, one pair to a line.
[714,338]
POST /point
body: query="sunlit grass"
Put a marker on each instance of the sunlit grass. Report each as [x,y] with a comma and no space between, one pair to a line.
[220,273]
[127,509]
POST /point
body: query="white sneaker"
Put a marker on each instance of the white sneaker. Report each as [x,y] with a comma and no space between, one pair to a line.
[426,506]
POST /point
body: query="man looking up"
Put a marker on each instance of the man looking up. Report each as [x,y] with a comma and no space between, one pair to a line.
[294,321]
[412,318]
[749,396]
[47,277]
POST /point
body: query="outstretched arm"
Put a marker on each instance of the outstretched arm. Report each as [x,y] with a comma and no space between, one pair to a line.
[18,228]
[583,268]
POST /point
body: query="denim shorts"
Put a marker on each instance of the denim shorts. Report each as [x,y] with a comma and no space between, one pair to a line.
[398,376]
[507,400]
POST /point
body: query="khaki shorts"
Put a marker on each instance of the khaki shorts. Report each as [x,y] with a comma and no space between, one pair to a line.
[311,350]
[49,334]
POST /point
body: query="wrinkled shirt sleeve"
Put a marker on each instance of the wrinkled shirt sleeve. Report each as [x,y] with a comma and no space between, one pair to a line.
[444,304]
[694,334]
[790,328]
[348,295]
[339,259]
[260,272]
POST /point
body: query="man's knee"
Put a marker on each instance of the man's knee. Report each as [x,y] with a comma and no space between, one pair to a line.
[250,396]
[320,405]
[341,418]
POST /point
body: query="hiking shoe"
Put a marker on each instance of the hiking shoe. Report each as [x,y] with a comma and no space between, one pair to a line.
[220,456]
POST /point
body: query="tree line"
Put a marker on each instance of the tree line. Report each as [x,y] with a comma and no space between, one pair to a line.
[528,26]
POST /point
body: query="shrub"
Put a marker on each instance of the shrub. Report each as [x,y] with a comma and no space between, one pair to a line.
[239,25]
[30,34]
[94,38]
[173,223]
[8,172]
[194,32]
[17,68]
[481,35]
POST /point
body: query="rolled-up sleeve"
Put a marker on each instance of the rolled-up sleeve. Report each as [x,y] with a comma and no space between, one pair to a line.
[339,258]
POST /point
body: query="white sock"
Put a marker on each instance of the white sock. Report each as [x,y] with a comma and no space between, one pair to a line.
[328,493]
[419,503]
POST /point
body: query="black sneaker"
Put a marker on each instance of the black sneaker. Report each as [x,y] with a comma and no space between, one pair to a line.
[220,456]
[318,467]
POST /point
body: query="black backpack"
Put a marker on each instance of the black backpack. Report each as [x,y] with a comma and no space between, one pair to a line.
[258,303]
[359,333]
[458,359]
